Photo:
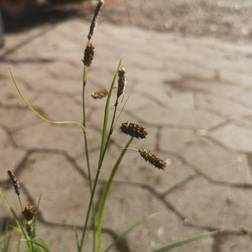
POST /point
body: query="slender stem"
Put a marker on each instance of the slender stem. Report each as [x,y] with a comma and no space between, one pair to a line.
[20,203]
[84,123]
[84,82]
[97,178]
[105,194]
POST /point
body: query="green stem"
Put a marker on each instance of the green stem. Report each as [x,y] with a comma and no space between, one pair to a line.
[20,203]
[105,195]
[84,123]
[103,152]
[19,223]
[84,82]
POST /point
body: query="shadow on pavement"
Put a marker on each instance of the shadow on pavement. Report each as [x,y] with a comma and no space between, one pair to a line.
[48,14]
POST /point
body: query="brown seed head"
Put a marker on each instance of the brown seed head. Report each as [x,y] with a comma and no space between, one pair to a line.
[88,54]
[134,130]
[29,212]
[93,23]
[100,94]
[152,158]
[14,182]
[121,82]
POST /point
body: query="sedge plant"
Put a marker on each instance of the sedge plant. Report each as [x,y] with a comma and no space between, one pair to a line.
[94,216]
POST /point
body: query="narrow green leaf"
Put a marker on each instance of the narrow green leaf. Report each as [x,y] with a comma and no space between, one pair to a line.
[40,245]
[29,105]
[105,195]
[5,242]
[131,228]
[106,114]
[18,222]
[19,245]
[180,243]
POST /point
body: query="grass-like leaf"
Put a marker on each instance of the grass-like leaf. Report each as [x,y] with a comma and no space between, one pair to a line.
[180,243]
[131,228]
[5,243]
[106,115]
[105,195]
[18,222]
[41,246]
[42,117]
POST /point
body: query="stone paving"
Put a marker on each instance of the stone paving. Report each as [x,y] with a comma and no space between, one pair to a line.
[193,95]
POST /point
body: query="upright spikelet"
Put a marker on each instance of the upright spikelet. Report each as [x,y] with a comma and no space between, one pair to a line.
[121,82]
[89,54]
[14,182]
[96,14]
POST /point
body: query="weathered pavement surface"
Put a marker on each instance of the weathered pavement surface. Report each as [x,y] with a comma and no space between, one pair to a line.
[193,95]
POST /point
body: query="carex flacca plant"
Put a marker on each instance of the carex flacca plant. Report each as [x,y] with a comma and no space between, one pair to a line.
[94,214]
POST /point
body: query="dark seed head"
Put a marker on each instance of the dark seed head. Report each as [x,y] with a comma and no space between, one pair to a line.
[88,54]
[93,23]
[29,212]
[152,158]
[100,94]
[121,82]
[134,130]
[14,182]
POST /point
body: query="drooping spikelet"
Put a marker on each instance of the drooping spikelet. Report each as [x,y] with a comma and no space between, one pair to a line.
[134,130]
[29,212]
[152,158]
[93,23]
[121,82]
[14,182]
[100,94]
[88,54]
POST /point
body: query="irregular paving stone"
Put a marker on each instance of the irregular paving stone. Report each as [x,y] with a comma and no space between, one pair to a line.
[234,243]
[58,107]
[185,101]
[188,68]
[216,162]
[64,191]
[134,170]
[206,204]
[138,101]
[234,137]
[166,71]
[63,70]
[174,139]
[181,117]
[10,156]
[66,138]
[63,238]
[243,79]
[9,96]
[159,96]
[71,87]
[244,98]
[224,107]
[208,87]
[130,204]
[16,118]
